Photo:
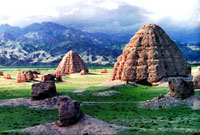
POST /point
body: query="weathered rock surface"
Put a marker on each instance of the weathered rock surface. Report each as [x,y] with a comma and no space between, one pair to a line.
[196,82]
[25,76]
[103,71]
[69,111]
[150,56]
[1,73]
[43,90]
[180,88]
[71,63]
[48,77]
[8,76]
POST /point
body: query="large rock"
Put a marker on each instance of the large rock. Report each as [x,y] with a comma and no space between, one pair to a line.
[25,76]
[180,88]
[69,111]
[71,63]
[43,90]
[149,57]
[196,82]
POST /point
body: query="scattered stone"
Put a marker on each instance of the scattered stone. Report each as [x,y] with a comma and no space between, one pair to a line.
[82,72]
[103,71]
[149,57]
[43,90]
[48,77]
[196,82]
[71,63]
[1,73]
[8,76]
[69,111]
[180,88]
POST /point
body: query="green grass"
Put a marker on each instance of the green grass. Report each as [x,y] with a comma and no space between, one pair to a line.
[19,117]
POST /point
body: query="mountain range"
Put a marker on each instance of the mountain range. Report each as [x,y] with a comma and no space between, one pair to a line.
[46,43]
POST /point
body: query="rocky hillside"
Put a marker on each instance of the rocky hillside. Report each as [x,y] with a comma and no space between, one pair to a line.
[46,43]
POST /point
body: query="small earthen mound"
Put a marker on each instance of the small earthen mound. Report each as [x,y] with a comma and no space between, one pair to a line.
[8,76]
[25,76]
[103,71]
[149,57]
[196,82]
[69,111]
[43,90]
[1,73]
[180,88]
[71,63]
[82,72]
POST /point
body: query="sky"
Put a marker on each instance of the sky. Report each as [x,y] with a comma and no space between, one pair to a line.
[103,15]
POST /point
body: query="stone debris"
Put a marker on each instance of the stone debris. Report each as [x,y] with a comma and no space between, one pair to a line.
[71,63]
[25,76]
[149,57]
[106,93]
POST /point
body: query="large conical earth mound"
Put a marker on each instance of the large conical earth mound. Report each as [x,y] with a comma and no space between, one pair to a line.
[71,63]
[149,57]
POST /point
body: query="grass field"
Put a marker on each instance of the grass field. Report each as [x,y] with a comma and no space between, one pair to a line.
[120,108]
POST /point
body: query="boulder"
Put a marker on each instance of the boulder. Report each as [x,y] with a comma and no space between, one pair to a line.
[149,57]
[180,88]
[1,73]
[103,71]
[71,63]
[69,111]
[48,77]
[8,76]
[82,72]
[196,82]
[43,90]
[35,76]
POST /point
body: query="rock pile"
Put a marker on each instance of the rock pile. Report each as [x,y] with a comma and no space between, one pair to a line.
[71,63]
[8,76]
[43,90]
[149,57]
[103,71]
[69,111]
[196,82]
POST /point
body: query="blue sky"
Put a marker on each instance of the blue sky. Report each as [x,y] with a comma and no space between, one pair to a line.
[103,15]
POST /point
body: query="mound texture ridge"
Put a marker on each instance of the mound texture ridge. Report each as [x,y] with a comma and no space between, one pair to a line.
[149,57]
[71,63]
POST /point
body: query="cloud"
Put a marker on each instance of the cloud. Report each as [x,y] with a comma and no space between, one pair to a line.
[102,15]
